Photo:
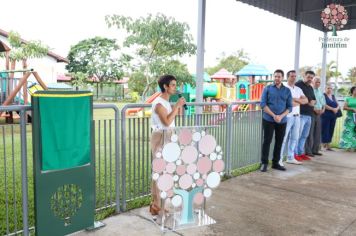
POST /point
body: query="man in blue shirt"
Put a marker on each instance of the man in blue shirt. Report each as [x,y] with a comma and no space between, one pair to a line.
[276,102]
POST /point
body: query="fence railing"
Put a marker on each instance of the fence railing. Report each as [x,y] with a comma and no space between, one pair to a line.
[122,155]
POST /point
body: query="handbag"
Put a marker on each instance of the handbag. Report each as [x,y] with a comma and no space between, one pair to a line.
[338,113]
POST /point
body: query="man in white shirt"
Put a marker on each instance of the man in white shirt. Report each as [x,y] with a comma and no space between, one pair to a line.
[293,120]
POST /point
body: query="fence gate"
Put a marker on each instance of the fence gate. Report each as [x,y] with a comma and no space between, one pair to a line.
[63,160]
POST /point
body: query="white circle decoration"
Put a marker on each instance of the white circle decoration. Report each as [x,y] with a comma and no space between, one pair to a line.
[207,192]
[219,157]
[177,201]
[175,178]
[158,154]
[171,152]
[163,195]
[174,138]
[218,148]
[196,175]
[196,136]
[155,176]
[193,185]
[203,133]
[213,156]
[178,162]
[213,180]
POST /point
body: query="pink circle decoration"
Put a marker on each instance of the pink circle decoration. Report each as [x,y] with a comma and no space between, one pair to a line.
[165,182]
[185,181]
[158,165]
[207,144]
[198,198]
[185,137]
[191,169]
[218,165]
[180,170]
[170,193]
[333,16]
[189,154]
[204,165]
[199,182]
[170,168]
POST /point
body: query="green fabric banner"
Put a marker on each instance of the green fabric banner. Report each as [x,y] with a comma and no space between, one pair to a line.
[65,131]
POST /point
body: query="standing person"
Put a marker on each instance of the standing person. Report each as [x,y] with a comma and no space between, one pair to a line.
[293,119]
[348,137]
[328,119]
[163,116]
[276,102]
[306,113]
[312,146]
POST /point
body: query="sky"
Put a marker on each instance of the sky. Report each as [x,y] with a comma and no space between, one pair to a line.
[267,38]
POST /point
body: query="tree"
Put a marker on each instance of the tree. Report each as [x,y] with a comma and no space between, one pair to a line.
[97,57]
[232,63]
[331,71]
[79,79]
[156,42]
[352,75]
[21,51]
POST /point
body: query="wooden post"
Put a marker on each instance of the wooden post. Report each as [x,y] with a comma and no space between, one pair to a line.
[12,95]
[39,80]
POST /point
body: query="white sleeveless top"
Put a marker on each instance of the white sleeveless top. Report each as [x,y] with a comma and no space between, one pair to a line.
[156,123]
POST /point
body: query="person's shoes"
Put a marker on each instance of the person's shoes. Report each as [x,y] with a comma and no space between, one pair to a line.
[278,167]
[298,158]
[263,167]
[309,155]
[294,161]
[305,158]
[281,163]
[154,209]
[329,149]
[317,153]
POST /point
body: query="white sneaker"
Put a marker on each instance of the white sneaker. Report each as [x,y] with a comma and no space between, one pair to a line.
[294,161]
[281,163]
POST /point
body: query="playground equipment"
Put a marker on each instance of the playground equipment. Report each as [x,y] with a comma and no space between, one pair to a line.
[149,100]
[10,89]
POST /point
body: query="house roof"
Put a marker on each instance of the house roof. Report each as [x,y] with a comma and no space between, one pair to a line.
[308,11]
[3,47]
[50,54]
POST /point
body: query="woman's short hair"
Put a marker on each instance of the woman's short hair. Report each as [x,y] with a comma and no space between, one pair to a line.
[165,80]
[352,90]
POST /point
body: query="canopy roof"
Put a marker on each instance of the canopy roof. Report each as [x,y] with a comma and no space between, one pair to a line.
[223,74]
[253,69]
[308,11]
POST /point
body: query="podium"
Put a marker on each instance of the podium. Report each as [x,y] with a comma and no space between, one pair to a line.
[186,168]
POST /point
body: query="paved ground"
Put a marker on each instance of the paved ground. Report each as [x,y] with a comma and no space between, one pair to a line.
[318,198]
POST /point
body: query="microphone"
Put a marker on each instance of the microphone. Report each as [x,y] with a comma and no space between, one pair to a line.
[185,105]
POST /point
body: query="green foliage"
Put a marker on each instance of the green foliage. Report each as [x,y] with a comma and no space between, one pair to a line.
[232,63]
[343,91]
[352,75]
[97,57]
[23,51]
[331,71]
[79,79]
[157,41]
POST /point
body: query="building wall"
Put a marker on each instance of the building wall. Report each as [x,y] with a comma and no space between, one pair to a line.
[47,67]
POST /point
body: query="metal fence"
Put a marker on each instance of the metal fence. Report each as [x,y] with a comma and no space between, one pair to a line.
[122,155]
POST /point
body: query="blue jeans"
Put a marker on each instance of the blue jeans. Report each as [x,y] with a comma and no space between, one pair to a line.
[291,137]
[305,123]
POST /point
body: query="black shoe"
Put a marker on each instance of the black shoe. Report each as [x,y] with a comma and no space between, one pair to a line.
[317,153]
[310,155]
[278,167]
[263,167]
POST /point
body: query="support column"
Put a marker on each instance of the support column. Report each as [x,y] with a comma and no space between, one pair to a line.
[297,47]
[200,54]
[323,65]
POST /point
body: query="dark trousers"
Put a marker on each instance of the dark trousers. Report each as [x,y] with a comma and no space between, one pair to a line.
[327,128]
[268,129]
[312,145]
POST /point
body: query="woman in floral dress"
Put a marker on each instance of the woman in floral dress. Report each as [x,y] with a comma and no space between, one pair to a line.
[348,137]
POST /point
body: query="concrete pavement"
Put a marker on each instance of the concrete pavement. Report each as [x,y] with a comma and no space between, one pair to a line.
[317,198]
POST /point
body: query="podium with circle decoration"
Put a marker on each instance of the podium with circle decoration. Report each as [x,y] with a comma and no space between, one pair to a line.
[186,168]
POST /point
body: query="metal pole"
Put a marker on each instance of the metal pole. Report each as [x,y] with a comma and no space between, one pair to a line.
[323,65]
[297,47]
[200,54]
[123,157]
[24,172]
[228,138]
